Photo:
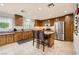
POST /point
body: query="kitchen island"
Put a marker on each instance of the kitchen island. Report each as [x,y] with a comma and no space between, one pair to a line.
[51,39]
[50,33]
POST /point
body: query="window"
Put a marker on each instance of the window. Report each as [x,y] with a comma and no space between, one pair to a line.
[6,24]
[28,24]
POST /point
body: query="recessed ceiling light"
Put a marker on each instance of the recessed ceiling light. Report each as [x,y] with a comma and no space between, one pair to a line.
[1,4]
[39,8]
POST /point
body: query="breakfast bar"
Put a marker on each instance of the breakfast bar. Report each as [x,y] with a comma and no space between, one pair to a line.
[48,33]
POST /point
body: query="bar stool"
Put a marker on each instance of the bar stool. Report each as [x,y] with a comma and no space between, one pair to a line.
[42,39]
[35,36]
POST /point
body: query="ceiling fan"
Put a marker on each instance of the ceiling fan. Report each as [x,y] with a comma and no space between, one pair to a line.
[51,5]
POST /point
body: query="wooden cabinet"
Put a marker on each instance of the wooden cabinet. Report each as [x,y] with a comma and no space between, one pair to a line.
[2,40]
[51,40]
[22,35]
[18,20]
[15,37]
[25,35]
[30,34]
[69,28]
[52,22]
[39,23]
[10,38]
[18,36]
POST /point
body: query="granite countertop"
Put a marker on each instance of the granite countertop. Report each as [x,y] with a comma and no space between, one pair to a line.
[13,32]
[5,33]
[48,32]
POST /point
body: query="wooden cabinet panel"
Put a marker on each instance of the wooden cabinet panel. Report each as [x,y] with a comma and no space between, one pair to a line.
[15,37]
[39,23]
[51,40]
[18,20]
[25,35]
[18,36]
[30,35]
[2,40]
[10,38]
[52,22]
[69,28]
[22,35]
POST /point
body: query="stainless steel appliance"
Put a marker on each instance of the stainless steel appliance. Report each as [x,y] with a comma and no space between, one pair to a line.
[59,29]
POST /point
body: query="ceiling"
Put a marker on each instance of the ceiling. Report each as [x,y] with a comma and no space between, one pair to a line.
[38,10]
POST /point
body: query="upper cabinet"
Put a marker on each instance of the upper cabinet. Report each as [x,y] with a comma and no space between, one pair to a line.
[18,20]
[39,23]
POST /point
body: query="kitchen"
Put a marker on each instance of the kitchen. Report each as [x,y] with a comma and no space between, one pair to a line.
[18,20]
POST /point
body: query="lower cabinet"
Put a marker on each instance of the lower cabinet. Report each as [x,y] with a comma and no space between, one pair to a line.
[2,40]
[27,35]
[51,40]
[5,39]
[18,36]
[10,38]
[30,34]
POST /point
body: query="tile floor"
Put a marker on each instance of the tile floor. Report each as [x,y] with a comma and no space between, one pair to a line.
[59,48]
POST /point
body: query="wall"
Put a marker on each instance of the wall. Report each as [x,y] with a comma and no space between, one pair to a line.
[3,14]
[76,43]
[76,38]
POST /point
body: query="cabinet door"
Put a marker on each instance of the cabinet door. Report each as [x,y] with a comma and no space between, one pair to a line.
[2,40]
[25,35]
[18,36]
[10,38]
[29,34]
[69,28]
[15,37]
[51,40]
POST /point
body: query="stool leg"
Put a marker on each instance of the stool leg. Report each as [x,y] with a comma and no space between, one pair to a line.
[33,41]
[38,43]
[43,47]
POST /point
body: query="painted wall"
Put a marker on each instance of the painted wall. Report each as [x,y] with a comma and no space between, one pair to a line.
[76,38]
[76,43]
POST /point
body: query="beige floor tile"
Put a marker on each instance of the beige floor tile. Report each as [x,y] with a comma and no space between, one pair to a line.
[59,48]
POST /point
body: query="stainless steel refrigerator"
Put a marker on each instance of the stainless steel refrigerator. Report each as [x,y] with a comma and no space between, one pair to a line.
[59,30]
